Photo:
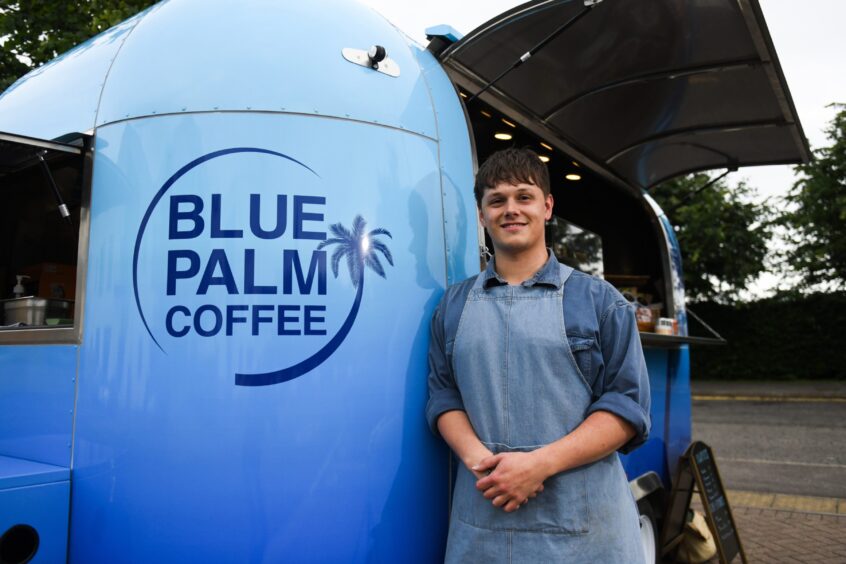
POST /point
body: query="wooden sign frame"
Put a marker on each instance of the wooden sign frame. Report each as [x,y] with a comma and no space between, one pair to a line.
[698,467]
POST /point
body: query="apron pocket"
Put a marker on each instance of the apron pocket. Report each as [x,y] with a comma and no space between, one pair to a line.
[581,347]
[561,508]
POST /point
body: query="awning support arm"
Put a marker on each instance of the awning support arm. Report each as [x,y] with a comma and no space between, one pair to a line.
[708,184]
[708,327]
[63,209]
[589,5]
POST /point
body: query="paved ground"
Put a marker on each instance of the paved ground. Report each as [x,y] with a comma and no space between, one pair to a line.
[773,441]
[793,447]
[771,535]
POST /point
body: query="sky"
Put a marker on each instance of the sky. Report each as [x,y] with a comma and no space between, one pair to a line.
[807,34]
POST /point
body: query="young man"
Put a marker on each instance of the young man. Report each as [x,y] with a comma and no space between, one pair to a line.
[536,379]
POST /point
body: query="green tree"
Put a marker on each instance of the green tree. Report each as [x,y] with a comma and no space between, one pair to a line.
[816,214]
[33,32]
[723,233]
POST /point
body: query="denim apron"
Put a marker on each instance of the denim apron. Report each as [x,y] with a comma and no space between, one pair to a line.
[522,389]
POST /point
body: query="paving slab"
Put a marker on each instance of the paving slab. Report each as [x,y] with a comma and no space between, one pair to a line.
[773,535]
[781,528]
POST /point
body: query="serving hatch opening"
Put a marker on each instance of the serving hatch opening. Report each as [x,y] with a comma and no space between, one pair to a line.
[42,189]
[637,92]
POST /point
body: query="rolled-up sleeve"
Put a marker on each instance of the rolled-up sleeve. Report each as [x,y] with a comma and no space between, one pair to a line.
[624,385]
[443,392]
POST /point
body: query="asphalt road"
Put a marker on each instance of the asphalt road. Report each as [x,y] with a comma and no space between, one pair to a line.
[790,447]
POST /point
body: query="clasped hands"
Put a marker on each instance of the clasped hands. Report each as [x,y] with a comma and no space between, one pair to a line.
[510,479]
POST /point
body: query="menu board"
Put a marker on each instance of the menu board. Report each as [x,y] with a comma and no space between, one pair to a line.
[699,467]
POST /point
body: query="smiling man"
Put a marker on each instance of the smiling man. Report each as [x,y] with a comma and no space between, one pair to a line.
[536,380]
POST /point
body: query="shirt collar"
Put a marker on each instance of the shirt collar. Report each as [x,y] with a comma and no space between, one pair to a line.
[548,275]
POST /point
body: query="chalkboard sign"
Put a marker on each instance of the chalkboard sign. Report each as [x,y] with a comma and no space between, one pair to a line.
[698,467]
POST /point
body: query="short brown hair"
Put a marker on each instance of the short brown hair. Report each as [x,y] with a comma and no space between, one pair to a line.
[514,166]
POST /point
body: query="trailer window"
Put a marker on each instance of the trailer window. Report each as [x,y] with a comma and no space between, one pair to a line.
[41,186]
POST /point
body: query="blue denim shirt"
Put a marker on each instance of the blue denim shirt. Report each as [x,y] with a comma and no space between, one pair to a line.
[602,333]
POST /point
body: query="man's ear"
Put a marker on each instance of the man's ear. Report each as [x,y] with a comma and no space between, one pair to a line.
[548,204]
[481,216]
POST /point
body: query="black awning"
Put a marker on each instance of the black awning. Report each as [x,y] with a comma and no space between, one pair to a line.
[645,89]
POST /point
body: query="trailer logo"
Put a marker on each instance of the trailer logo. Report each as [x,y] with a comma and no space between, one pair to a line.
[206,247]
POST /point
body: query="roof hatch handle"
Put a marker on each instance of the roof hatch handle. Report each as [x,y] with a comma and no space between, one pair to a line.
[375,58]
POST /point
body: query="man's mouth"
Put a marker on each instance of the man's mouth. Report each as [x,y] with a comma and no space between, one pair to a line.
[512,226]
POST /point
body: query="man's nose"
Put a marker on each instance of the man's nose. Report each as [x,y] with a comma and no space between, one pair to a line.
[510,206]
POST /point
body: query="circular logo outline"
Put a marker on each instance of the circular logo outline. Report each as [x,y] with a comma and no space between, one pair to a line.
[165,187]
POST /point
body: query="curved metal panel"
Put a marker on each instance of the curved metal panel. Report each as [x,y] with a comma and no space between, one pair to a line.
[44,507]
[36,402]
[192,465]
[456,156]
[196,55]
[651,456]
[674,285]
[679,427]
[62,96]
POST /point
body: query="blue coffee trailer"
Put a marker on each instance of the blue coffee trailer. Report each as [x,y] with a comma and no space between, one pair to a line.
[225,227]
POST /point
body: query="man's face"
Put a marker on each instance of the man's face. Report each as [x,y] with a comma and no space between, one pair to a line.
[515,215]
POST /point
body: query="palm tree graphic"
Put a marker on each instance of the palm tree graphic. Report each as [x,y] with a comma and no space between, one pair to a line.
[360,249]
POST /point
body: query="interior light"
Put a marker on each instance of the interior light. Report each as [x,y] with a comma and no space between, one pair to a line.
[484,113]
[545,146]
[508,123]
[577,164]
[503,136]
[573,177]
[544,158]
[462,94]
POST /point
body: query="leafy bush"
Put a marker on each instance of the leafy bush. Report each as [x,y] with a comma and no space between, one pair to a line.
[788,338]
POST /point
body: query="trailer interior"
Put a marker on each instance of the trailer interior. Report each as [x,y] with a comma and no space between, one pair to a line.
[41,183]
[620,97]
[597,228]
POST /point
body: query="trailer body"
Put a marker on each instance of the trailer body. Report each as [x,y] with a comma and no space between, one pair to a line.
[261,221]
